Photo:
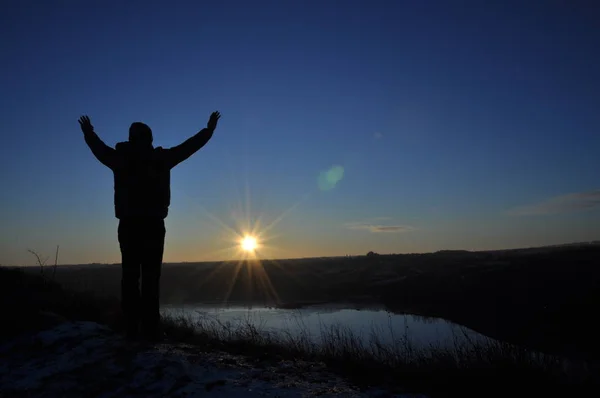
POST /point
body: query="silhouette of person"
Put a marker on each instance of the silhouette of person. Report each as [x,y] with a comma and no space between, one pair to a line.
[142,197]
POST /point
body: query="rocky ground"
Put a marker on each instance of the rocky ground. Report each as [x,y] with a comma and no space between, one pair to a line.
[76,359]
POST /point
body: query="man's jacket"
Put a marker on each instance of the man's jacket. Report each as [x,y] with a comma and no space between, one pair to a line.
[142,173]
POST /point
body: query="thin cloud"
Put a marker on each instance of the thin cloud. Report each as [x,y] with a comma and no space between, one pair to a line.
[378,228]
[572,202]
[378,135]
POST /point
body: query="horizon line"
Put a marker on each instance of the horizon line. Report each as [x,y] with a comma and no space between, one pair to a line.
[593,242]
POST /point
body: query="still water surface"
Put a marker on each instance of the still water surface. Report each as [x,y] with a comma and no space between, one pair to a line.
[312,321]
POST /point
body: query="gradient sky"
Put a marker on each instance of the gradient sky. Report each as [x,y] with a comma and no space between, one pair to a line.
[471,127]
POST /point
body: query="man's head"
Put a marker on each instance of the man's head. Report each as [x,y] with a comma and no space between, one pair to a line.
[140,134]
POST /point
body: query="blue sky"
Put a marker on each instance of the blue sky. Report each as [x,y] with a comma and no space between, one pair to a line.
[438,126]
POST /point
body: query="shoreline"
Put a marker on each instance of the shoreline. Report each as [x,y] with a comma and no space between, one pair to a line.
[540,298]
[374,305]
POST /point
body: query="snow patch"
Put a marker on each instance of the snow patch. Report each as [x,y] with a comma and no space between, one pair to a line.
[88,359]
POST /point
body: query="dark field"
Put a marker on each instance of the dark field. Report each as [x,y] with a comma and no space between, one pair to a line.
[545,299]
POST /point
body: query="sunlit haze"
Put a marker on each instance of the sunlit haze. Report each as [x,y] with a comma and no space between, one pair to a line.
[347,127]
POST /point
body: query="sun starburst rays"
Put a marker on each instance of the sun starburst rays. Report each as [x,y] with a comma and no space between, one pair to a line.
[247,237]
[249,240]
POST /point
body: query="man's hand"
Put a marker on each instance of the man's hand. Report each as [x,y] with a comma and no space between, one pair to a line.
[212,122]
[86,125]
[105,154]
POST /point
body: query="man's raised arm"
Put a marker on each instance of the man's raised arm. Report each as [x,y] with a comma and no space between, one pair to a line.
[181,152]
[105,154]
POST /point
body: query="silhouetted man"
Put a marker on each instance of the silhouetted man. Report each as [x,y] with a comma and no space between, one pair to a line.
[142,198]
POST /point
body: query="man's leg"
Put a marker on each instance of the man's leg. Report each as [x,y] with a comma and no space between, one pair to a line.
[151,270]
[129,242]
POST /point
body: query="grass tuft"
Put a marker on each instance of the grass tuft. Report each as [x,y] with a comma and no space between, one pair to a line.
[465,366]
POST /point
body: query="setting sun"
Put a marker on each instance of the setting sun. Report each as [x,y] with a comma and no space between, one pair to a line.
[248,244]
